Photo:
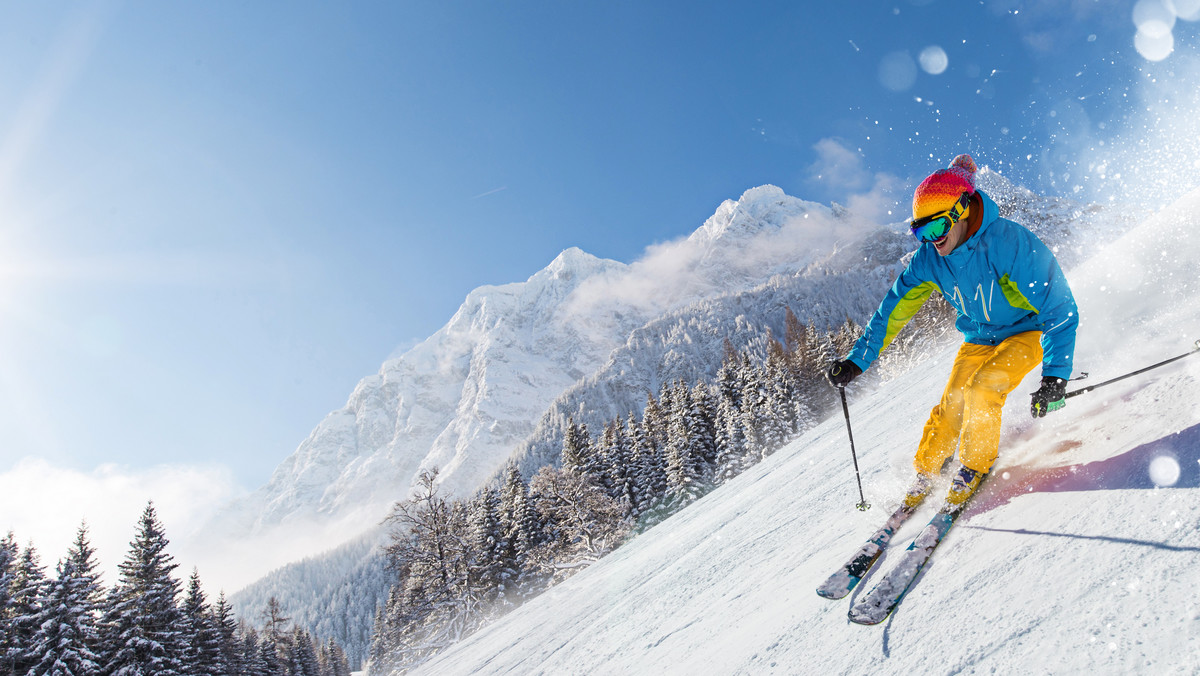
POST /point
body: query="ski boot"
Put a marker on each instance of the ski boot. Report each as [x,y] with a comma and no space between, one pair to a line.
[916,494]
[965,483]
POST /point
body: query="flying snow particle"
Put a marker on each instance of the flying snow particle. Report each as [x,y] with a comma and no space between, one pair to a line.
[897,71]
[933,60]
[1164,471]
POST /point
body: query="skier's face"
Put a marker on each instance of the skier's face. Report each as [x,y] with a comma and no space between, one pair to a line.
[943,229]
[954,237]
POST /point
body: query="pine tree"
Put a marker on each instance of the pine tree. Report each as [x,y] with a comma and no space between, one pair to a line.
[704,426]
[520,529]
[332,659]
[225,628]
[644,465]
[302,656]
[487,572]
[267,659]
[755,403]
[142,620]
[577,451]
[650,443]
[27,599]
[814,360]
[683,453]
[202,652]
[252,659]
[654,421]
[8,562]
[620,468]
[779,417]
[793,332]
[67,642]
[730,438]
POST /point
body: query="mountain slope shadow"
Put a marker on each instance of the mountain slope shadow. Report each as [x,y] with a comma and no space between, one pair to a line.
[1170,462]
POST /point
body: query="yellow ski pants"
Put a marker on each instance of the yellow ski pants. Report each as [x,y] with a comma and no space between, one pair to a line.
[980,380]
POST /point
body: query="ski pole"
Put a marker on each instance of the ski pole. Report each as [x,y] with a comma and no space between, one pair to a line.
[1194,350]
[862,504]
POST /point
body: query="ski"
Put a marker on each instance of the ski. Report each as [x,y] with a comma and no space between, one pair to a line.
[848,576]
[885,596]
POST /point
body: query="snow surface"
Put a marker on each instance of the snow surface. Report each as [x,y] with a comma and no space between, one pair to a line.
[1079,555]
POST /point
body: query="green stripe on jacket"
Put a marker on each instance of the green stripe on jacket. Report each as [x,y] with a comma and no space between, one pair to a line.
[905,308]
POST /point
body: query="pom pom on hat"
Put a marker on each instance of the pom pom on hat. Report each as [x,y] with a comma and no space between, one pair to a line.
[943,187]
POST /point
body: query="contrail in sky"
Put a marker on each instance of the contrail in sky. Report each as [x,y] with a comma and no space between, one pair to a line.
[490,192]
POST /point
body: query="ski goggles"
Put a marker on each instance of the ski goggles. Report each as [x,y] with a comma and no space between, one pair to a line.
[934,227]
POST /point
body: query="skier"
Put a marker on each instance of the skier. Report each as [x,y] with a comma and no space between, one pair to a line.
[1015,309]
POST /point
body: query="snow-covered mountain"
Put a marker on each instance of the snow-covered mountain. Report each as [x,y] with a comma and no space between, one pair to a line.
[1078,556]
[467,397]
[583,337]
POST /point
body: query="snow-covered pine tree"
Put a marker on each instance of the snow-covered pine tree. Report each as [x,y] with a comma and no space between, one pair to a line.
[202,651]
[302,654]
[755,405]
[142,621]
[576,450]
[267,660]
[650,443]
[704,421]
[27,598]
[225,627]
[520,530]
[654,421]
[815,355]
[778,419]
[67,641]
[642,462]
[251,655]
[488,574]
[8,561]
[619,466]
[683,453]
[332,659]
[730,438]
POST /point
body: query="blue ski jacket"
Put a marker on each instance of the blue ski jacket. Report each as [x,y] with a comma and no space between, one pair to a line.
[1002,281]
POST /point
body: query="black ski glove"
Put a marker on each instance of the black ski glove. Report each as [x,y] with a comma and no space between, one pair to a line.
[1051,396]
[840,373]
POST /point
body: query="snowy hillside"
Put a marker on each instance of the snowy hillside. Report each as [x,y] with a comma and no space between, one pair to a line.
[1078,556]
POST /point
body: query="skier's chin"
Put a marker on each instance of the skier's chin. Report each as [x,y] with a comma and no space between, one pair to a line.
[943,246]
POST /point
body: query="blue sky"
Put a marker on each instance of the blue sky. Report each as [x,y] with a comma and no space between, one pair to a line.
[215,218]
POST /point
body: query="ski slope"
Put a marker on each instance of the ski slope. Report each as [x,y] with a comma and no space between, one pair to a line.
[1080,555]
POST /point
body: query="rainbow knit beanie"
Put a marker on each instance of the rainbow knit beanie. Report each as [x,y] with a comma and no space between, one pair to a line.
[942,189]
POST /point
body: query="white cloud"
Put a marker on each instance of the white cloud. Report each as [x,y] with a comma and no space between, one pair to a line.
[843,174]
[45,504]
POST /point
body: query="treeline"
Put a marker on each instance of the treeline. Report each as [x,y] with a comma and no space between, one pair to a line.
[461,563]
[68,624]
